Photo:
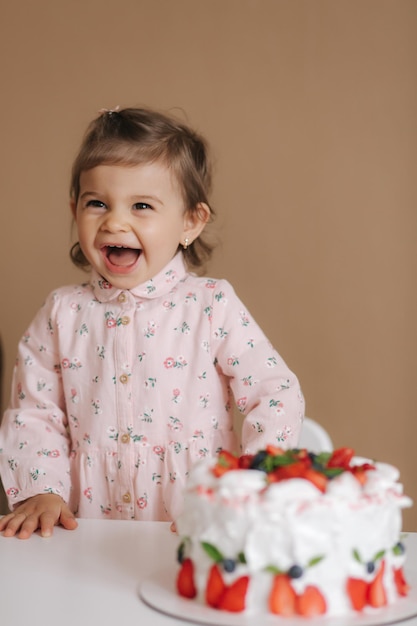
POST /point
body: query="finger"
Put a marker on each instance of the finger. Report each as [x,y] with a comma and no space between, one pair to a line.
[5,520]
[14,523]
[29,525]
[68,521]
[173,527]
[47,521]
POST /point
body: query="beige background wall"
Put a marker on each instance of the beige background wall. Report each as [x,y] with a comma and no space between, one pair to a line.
[310,107]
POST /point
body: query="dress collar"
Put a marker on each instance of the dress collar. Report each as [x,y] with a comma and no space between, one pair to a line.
[157,286]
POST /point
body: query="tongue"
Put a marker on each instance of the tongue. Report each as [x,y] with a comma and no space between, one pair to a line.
[123,256]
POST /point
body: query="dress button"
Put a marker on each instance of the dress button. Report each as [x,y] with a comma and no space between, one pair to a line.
[127,497]
[125,320]
[125,438]
[124,378]
[122,297]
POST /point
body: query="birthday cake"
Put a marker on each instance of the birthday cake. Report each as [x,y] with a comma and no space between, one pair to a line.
[292,533]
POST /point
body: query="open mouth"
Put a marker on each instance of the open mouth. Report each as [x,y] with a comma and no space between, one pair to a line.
[121,256]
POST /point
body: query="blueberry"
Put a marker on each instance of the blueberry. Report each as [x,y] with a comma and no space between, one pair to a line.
[258,460]
[229,565]
[295,571]
[370,567]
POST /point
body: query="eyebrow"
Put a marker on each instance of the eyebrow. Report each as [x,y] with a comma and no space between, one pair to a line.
[146,197]
[137,197]
[89,193]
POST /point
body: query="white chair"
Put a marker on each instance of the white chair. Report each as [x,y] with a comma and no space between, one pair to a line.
[314,437]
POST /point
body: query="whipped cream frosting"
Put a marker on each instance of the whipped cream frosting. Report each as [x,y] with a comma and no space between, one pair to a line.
[341,533]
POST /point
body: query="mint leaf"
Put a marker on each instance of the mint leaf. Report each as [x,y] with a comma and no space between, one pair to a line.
[241,557]
[212,552]
[315,560]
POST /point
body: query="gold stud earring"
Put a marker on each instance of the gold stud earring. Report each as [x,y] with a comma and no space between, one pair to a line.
[186,243]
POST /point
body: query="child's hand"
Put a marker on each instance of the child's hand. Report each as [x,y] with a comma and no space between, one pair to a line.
[43,511]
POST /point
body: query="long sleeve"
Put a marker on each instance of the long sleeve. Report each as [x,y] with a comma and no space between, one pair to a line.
[34,444]
[266,392]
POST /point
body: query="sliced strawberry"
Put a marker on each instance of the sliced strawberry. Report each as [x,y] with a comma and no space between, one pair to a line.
[376,592]
[311,602]
[185,580]
[215,587]
[341,458]
[293,470]
[233,599]
[317,478]
[282,597]
[225,461]
[274,450]
[360,474]
[400,582]
[357,590]
[245,461]
[303,455]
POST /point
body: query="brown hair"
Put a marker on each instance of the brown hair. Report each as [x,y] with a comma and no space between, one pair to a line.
[133,136]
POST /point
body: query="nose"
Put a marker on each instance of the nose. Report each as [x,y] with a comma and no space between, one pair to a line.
[115,221]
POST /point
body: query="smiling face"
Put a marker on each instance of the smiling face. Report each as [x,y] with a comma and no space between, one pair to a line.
[131,219]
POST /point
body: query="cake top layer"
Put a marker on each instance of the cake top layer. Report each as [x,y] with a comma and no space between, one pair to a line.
[253,490]
[279,464]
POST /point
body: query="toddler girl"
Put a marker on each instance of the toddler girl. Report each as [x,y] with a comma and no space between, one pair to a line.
[122,383]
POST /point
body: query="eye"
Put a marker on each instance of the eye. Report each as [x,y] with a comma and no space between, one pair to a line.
[141,206]
[96,204]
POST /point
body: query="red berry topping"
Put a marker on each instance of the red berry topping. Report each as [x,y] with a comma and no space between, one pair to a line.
[215,587]
[185,580]
[376,592]
[400,582]
[357,590]
[311,602]
[282,597]
[234,597]
[226,461]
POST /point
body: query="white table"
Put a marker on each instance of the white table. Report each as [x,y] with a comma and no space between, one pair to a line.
[91,575]
[87,576]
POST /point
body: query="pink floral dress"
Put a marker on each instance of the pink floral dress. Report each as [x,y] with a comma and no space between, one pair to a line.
[116,393]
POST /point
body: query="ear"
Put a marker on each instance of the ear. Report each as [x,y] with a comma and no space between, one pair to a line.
[73,207]
[195,221]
